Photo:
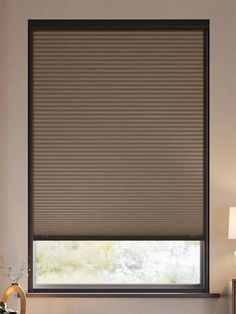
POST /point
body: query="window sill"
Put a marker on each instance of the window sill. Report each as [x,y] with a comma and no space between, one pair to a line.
[123,295]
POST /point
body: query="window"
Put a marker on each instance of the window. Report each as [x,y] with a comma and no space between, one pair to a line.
[118,155]
[117,262]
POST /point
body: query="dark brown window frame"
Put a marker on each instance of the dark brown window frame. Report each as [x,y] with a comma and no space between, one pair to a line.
[123,25]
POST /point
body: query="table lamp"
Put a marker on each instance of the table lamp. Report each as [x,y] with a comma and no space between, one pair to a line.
[232,225]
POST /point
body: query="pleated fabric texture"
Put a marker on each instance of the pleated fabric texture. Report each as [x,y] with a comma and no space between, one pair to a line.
[118,133]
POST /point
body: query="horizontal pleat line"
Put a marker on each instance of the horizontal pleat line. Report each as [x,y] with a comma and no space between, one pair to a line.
[68,200]
[117,87]
[115,32]
[42,64]
[70,103]
[118,152]
[122,217]
[116,203]
[103,181]
[97,167]
[162,105]
[55,76]
[114,143]
[114,162]
[89,38]
[141,211]
[159,134]
[120,49]
[158,107]
[104,97]
[131,206]
[82,112]
[128,75]
[100,204]
[91,94]
[65,61]
[68,65]
[119,52]
[43,144]
[89,91]
[54,136]
[120,148]
[116,114]
[102,218]
[114,124]
[83,195]
[128,114]
[153,88]
[101,224]
[131,157]
[139,226]
[120,185]
[132,187]
[114,52]
[165,75]
[117,218]
[83,90]
[96,84]
[127,202]
[97,39]
[110,185]
[122,179]
[67,42]
[116,35]
[126,220]
[145,70]
[100,128]
[117,138]
[117,187]
[115,182]
[103,172]
[149,99]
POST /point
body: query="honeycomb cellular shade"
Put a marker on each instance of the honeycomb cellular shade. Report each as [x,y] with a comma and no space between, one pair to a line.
[118,133]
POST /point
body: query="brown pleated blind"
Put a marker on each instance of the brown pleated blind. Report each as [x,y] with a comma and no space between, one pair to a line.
[118,133]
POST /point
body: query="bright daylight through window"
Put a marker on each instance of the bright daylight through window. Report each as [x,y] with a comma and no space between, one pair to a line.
[117,262]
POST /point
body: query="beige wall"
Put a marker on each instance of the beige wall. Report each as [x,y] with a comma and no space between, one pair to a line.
[13,136]
[3,112]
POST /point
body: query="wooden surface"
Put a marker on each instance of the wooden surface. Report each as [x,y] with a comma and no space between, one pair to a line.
[232,296]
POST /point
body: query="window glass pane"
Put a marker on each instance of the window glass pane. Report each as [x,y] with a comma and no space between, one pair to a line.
[117,262]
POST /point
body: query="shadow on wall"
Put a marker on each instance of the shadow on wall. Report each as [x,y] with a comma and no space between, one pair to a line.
[222,305]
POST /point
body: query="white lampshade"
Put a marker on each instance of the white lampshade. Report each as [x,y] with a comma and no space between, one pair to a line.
[232,223]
